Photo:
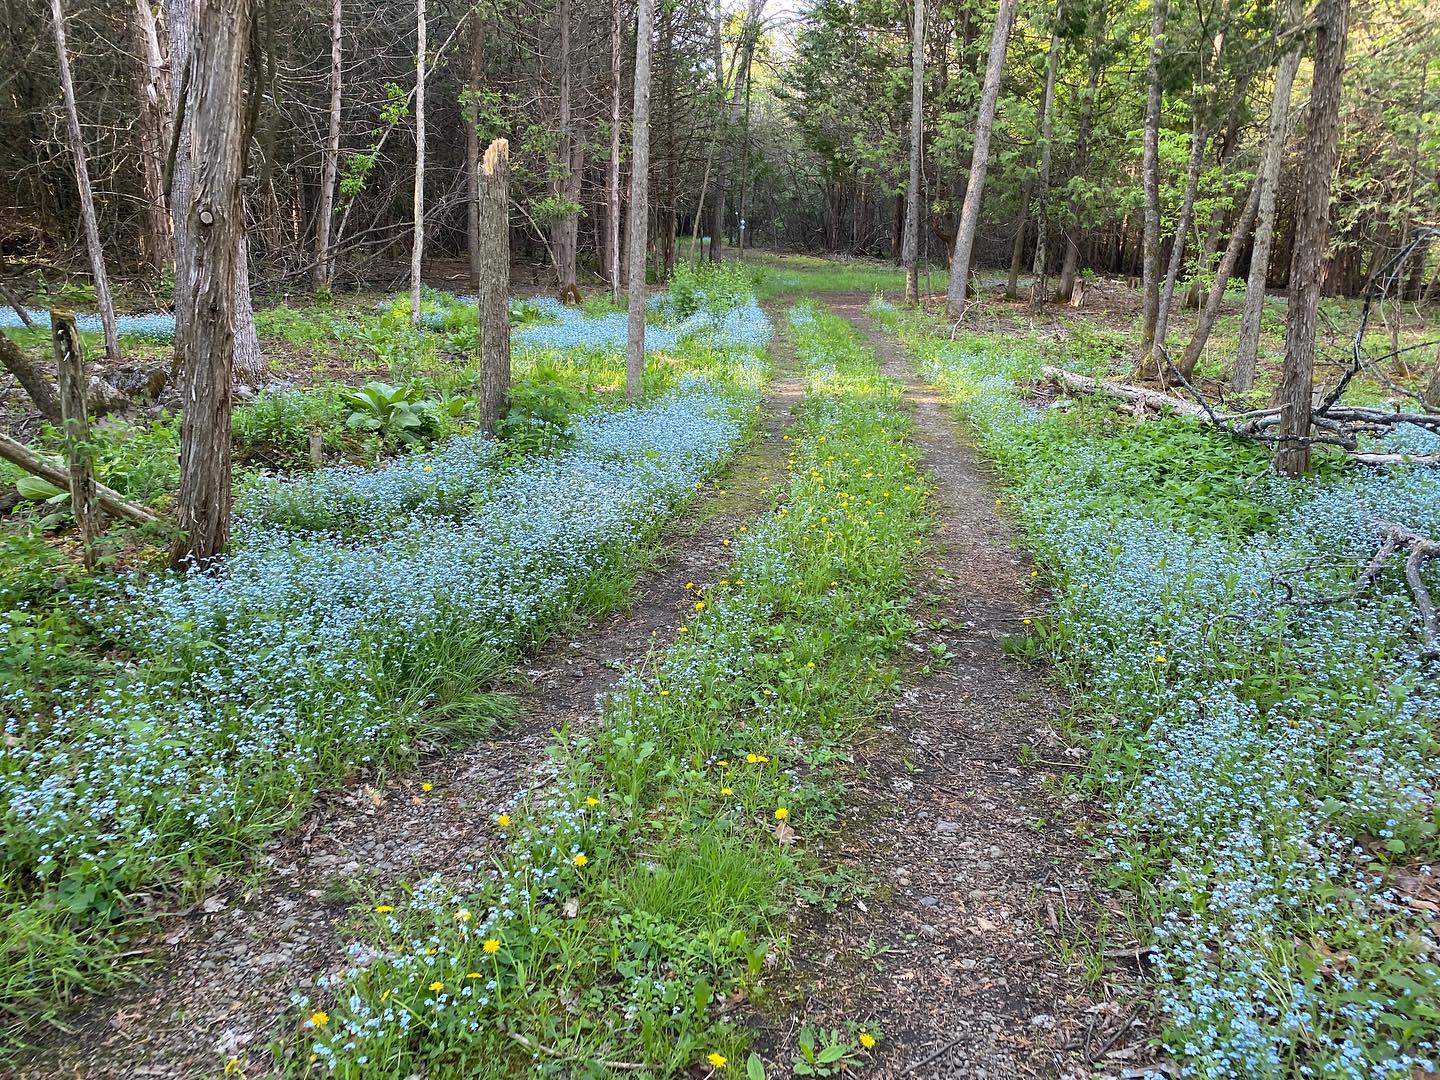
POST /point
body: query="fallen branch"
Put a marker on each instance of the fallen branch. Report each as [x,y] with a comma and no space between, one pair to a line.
[1395,539]
[1151,399]
[115,504]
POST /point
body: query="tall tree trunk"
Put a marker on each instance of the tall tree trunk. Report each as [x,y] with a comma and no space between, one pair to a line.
[612,209]
[70,377]
[248,362]
[1150,178]
[31,379]
[1215,297]
[910,245]
[417,248]
[472,152]
[639,200]
[717,209]
[1017,247]
[979,161]
[565,231]
[1198,138]
[82,181]
[1071,265]
[1271,157]
[1312,217]
[1047,132]
[324,272]
[154,140]
[214,230]
[493,250]
[1431,394]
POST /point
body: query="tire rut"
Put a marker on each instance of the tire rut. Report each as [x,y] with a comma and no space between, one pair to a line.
[228,966]
[977,859]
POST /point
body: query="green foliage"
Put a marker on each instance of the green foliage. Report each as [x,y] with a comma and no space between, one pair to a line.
[538,421]
[401,414]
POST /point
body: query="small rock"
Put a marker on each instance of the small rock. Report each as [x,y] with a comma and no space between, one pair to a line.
[928,932]
[929,901]
[1043,1020]
[947,828]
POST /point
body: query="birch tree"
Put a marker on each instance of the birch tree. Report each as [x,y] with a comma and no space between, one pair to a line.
[612,190]
[1150,179]
[494,288]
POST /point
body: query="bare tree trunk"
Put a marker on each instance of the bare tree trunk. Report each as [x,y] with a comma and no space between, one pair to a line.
[31,379]
[248,363]
[565,232]
[1017,247]
[494,289]
[1150,168]
[472,154]
[1245,357]
[1041,265]
[154,140]
[1431,395]
[1215,297]
[1312,216]
[215,228]
[910,246]
[639,200]
[1071,265]
[112,502]
[417,248]
[612,209]
[70,375]
[324,272]
[1198,138]
[82,181]
[979,161]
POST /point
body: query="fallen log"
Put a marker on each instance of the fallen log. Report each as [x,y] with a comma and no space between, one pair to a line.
[115,504]
[1141,396]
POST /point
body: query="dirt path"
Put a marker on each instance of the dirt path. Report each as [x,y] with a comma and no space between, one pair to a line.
[230,965]
[974,856]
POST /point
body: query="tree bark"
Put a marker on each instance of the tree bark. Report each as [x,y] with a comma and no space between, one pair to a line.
[1017,247]
[612,209]
[82,181]
[1247,353]
[1198,138]
[417,247]
[1041,265]
[111,501]
[1431,394]
[639,201]
[70,375]
[1071,265]
[1216,296]
[1312,216]
[910,245]
[31,379]
[324,272]
[154,140]
[215,228]
[472,154]
[979,161]
[1150,169]
[248,361]
[565,231]
[494,288]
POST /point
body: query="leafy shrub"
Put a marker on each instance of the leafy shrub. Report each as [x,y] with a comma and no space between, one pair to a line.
[400,414]
[539,418]
[274,428]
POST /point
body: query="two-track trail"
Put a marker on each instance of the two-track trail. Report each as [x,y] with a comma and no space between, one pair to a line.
[975,855]
[227,969]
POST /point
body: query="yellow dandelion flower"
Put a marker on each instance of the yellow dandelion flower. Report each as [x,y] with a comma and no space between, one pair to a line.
[699,605]
[492,945]
[384,909]
[867,1040]
[752,758]
[437,986]
[503,820]
[319,1018]
[718,1060]
[427,786]
[474,975]
[664,693]
[724,763]
[463,915]
[581,859]
[727,791]
[781,813]
[591,800]
[1159,659]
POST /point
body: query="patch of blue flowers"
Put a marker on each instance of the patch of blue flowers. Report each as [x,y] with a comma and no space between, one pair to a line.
[155,327]
[239,692]
[1272,766]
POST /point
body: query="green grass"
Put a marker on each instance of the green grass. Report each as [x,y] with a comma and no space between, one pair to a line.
[649,881]
[806,275]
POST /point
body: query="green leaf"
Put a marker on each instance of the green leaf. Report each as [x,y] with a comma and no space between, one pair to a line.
[754,1068]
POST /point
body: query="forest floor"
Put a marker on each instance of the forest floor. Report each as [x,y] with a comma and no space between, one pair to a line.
[227,967]
[965,952]
[981,865]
